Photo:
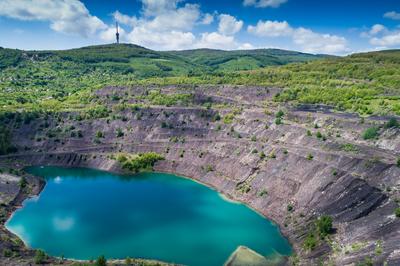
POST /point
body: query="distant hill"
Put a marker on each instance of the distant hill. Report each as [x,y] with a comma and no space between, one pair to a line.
[129,58]
[244,59]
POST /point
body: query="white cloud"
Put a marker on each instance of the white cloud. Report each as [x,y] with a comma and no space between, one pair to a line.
[229,25]
[308,40]
[157,7]
[124,19]
[207,19]
[264,3]
[216,40]
[377,28]
[271,29]
[382,37]
[392,15]
[390,39]
[312,42]
[167,40]
[67,16]
[246,46]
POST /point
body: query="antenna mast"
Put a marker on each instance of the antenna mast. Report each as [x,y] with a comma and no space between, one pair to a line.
[117,34]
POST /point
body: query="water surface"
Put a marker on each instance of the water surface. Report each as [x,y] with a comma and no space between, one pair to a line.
[84,213]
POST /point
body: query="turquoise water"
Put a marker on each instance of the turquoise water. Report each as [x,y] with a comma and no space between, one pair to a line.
[84,213]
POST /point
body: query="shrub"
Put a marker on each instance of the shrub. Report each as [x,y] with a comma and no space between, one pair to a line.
[370,133]
[279,114]
[324,225]
[99,134]
[5,141]
[101,261]
[40,256]
[392,123]
[398,162]
[7,252]
[139,162]
[397,212]
[289,207]
[209,168]
[22,182]
[128,261]
[309,133]
[119,133]
[278,121]
[262,155]
[253,138]
[262,193]
[310,242]
[310,157]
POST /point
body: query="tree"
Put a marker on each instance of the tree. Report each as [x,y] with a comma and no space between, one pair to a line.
[324,225]
[392,123]
[397,212]
[101,261]
[370,133]
[40,256]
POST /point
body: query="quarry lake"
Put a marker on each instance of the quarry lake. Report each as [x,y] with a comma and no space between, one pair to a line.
[84,213]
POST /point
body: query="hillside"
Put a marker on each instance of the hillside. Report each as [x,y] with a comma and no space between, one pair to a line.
[244,59]
[364,83]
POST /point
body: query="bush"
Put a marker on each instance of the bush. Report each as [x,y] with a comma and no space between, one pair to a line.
[40,256]
[278,121]
[310,242]
[370,133]
[101,261]
[5,142]
[397,212]
[279,114]
[392,123]
[119,133]
[139,162]
[99,134]
[398,162]
[7,252]
[310,157]
[324,225]
[22,182]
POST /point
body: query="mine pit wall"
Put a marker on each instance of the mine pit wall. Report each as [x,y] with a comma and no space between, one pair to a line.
[362,212]
[357,196]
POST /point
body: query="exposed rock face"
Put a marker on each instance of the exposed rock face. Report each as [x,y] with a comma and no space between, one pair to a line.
[252,159]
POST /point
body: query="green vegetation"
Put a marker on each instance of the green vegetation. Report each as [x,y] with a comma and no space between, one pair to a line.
[310,242]
[398,162]
[322,228]
[397,212]
[157,98]
[392,123]
[263,193]
[40,257]
[349,147]
[324,225]
[65,80]
[23,182]
[370,133]
[139,162]
[101,261]
[5,141]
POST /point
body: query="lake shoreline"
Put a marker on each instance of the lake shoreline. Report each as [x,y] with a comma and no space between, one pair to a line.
[222,195]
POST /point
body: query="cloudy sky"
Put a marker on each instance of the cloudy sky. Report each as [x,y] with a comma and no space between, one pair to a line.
[315,26]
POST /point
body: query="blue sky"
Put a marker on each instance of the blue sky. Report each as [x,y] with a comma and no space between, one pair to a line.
[314,26]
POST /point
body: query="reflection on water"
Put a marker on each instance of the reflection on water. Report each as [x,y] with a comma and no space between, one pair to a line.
[84,213]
